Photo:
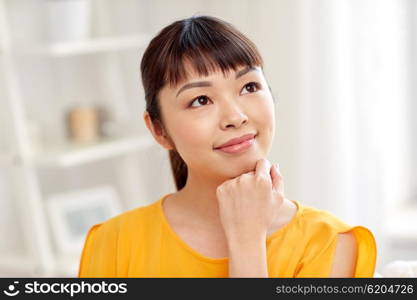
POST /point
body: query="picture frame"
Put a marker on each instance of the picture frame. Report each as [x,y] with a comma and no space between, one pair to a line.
[72,214]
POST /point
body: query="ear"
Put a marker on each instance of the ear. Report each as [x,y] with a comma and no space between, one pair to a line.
[157,132]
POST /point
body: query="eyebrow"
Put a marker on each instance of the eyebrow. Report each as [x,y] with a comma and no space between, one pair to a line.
[208,83]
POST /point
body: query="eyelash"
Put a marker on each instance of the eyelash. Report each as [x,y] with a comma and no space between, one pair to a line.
[257,85]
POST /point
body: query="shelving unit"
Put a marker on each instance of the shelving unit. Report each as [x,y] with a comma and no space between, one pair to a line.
[102,45]
[68,156]
[25,161]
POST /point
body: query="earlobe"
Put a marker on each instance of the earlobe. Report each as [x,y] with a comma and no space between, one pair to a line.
[148,122]
[157,132]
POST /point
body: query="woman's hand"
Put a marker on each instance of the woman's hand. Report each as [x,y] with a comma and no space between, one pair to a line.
[249,203]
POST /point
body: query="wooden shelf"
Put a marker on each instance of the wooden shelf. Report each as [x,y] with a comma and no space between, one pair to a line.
[69,155]
[106,44]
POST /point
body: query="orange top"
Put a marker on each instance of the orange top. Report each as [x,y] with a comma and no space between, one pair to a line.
[141,243]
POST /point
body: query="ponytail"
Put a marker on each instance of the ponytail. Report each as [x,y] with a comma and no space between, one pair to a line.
[179,169]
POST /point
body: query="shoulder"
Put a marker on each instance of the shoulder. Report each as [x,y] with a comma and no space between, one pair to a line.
[322,232]
[107,245]
[124,223]
[322,225]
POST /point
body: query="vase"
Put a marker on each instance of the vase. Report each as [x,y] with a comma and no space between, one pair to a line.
[68,20]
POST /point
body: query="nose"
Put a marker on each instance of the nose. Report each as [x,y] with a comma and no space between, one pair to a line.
[232,115]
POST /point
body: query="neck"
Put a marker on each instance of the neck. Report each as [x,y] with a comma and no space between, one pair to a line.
[199,197]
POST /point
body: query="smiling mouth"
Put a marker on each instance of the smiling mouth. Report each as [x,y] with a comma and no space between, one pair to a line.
[238,140]
[239,147]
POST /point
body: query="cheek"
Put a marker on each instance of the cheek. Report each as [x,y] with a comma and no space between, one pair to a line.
[263,119]
[194,141]
[192,134]
[263,116]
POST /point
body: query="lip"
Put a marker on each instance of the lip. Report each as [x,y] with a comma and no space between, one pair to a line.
[237,140]
[238,145]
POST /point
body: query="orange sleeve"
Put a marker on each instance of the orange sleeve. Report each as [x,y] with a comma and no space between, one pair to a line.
[367,252]
[98,258]
[318,259]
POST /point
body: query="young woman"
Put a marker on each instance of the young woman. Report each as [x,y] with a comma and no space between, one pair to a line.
[208,103]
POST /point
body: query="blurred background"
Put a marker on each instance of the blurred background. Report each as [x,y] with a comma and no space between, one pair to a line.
[74,149]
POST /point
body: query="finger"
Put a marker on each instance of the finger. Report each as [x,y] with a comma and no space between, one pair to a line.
[262,168]
[275,177]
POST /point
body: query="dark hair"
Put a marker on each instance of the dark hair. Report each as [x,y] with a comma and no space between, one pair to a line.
[209,44]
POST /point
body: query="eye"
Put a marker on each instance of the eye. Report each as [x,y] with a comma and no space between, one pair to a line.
[251,87]
[199,100]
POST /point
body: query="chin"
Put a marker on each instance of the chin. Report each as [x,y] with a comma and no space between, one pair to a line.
[241,167]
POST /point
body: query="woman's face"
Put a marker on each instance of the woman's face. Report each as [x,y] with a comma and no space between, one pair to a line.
[214,109]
